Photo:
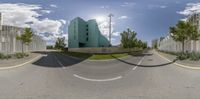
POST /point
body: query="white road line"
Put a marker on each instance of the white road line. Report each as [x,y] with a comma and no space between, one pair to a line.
[60,63]
[97,80]
[134,68]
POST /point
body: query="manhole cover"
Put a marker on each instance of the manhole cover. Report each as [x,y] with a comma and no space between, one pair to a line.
[150,59]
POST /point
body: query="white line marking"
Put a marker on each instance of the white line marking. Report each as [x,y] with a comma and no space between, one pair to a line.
[138,63]
[97,80]
[60,63]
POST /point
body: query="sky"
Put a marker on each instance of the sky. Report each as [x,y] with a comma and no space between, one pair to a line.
[150,19]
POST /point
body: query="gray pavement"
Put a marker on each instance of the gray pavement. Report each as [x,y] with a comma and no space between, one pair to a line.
[56,76]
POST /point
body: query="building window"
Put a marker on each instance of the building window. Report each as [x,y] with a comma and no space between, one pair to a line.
[87,33]
[87,39]
[87,29]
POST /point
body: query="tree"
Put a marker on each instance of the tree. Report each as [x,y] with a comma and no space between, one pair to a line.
[141,44]
[128,38]
[25,38]
[184,31]
[60,43]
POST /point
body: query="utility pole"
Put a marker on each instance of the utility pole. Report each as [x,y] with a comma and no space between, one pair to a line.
[110,26]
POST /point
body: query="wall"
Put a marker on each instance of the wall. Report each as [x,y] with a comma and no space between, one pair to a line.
[168,44]
[101,50]
[9,44]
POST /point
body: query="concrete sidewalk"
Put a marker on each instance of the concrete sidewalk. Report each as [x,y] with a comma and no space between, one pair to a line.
[14,61]
[187,62]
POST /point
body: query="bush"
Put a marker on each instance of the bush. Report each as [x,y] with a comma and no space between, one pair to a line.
[21,55]
[183,56]
[194,56]
[2,56]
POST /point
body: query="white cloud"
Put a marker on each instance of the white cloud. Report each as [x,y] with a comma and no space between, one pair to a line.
[26,15]
[128,4]
[105,7]
[63,21]
[190,9]
[104,28]
[54,6]
[46,11]
[151,6]
[123,17]
[116,34]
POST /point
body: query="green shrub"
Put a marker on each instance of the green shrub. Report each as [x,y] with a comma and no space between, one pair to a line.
[7,56]
[194,56]
[183,56]
[21,55]
[2,56]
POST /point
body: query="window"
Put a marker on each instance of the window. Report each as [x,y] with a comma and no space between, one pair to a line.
[87,29]
[87,39]
[87,33]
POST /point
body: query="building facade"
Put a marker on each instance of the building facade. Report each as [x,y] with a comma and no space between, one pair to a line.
[168,44]
[85,34]
[194,19]
[9,44]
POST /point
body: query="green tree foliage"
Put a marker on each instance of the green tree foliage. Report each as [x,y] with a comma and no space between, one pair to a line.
[60,43]
[184,31]
[128,38]
[25,38]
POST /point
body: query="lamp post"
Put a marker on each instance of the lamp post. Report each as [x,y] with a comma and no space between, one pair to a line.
[110,26]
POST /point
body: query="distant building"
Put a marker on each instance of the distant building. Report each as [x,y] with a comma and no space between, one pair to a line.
[9,44]
[154,43]
[194,19]
[85,34]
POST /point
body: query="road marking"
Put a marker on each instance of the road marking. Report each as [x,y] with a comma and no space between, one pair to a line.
[138,63]
[10,67]
[60,63]
[177,64]
[97,80]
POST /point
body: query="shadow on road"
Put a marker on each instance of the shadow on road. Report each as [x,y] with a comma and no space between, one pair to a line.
[142,55]
[56,60]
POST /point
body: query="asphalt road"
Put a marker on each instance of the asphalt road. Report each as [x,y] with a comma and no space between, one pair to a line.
[56,76]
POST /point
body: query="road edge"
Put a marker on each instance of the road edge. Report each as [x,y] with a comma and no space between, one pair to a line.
[22,64]
[177,64]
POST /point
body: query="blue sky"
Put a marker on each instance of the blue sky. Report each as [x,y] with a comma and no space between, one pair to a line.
[149,18]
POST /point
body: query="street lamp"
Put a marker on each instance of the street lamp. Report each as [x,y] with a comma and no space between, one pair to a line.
[110,26]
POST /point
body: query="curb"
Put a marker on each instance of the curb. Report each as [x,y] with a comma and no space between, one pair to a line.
[20,65]
[94,60]
[108,59]
[70,56]
[177,64]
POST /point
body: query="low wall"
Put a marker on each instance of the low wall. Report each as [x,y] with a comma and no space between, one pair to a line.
[102,50]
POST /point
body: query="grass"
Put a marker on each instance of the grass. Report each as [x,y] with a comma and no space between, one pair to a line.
[107,56]
[95,56]
[78,55]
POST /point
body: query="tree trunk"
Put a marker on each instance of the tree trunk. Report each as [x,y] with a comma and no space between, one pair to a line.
[183,46]
[22,47]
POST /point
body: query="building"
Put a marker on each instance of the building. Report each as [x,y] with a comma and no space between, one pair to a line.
[85,34]
[154,43]
[168,44]
[194,19]
[9,44]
